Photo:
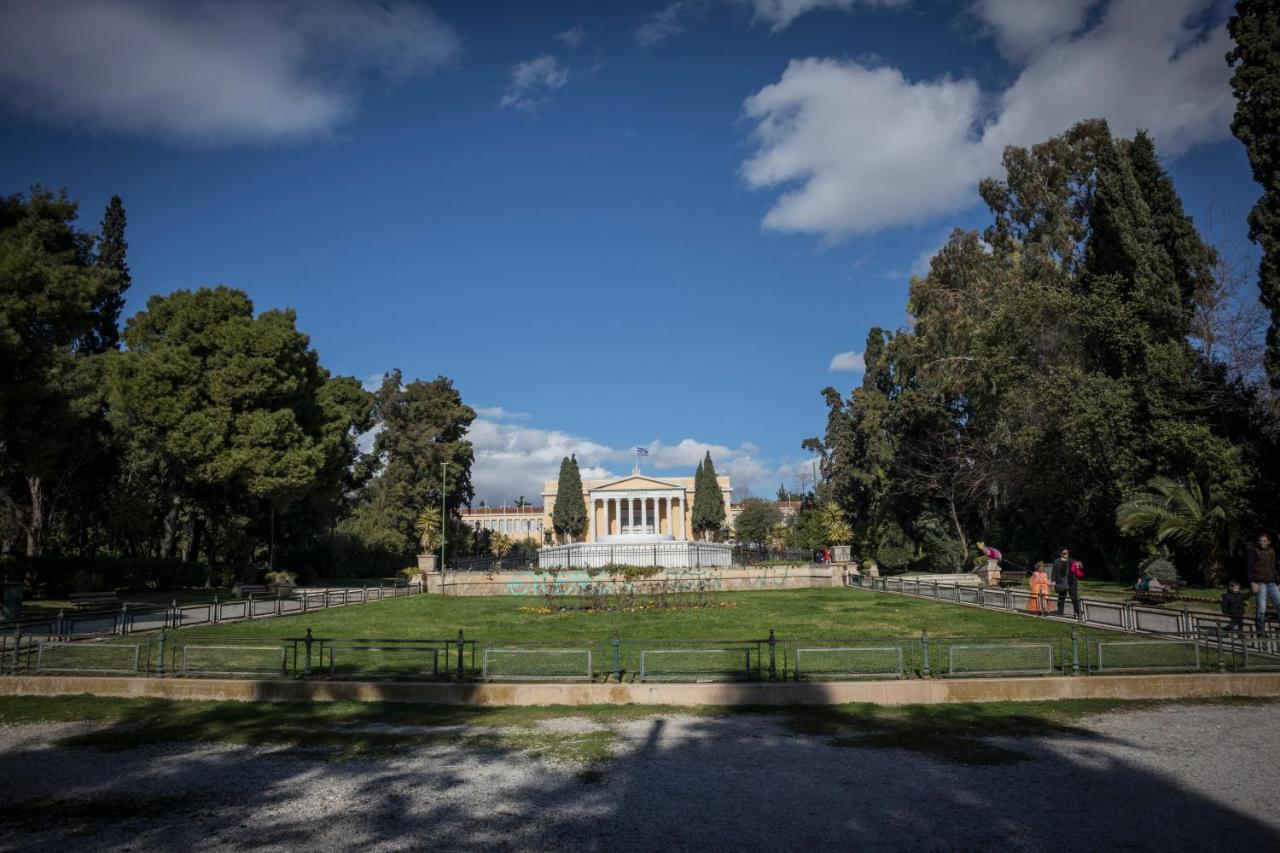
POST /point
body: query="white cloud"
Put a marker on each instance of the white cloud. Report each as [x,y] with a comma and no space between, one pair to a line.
[678,15]
[868,147]
[533,81]
[572,37]
[671,20]
[206,72]
[498,413]
[780,13]
[850,361]
[513,459]
[856,148]
[1023,27]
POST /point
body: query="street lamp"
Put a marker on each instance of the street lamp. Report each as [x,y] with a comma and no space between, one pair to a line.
[444,468]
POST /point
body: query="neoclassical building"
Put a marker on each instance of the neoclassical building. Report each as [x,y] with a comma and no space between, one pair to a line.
[635,508]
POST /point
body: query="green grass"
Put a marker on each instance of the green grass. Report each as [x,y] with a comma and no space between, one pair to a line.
[347,730]
[813,613]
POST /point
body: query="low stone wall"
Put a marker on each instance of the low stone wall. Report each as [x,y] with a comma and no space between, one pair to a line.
[572,581]
[903,692]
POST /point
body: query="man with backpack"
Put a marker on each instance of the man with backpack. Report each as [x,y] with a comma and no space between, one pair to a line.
[1066,577]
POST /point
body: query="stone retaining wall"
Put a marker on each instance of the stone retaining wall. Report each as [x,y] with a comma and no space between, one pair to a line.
[571,581]
[904,692]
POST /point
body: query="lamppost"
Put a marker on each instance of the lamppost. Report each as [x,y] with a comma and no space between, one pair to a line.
[444,468]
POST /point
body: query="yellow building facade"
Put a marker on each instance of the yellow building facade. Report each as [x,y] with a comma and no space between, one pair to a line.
[515,522]
[626,508]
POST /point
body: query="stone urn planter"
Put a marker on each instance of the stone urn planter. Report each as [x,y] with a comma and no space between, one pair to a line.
[842,553]
[427,562]
[281,589]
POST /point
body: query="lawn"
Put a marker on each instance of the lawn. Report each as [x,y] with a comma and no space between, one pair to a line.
[811,614]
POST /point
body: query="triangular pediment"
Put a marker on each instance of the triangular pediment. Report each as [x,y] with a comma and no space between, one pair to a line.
[633,482]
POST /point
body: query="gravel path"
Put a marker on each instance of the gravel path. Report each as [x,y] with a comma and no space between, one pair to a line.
[1175,778]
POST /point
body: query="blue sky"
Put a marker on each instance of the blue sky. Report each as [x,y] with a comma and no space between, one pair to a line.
[610,224]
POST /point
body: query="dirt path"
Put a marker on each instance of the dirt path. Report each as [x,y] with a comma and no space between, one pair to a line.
[1175,778]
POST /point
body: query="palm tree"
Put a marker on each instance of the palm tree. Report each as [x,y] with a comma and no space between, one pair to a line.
[428,527]
[1183,515]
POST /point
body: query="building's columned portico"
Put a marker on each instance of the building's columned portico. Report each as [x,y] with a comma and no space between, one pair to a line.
[618,515]
[635,520]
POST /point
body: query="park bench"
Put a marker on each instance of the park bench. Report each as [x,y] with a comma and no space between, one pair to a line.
[248,590]
[1167,592]
[86,600]
[1012,577]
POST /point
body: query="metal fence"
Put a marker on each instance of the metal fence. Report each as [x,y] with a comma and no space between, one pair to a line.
[755,659]
[135,618]
[487,563]
[1116,615]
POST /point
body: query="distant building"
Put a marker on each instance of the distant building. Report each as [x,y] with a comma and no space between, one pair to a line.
[622,509]
[516,522]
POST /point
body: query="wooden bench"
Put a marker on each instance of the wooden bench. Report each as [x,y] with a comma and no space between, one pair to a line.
[247,590]
[85,600]
[1167,592]
[1012,577]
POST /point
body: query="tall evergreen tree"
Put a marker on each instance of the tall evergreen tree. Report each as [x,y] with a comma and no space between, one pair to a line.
[112,258]
[48,290]
[1256,83]
[708,500]
[1191,258]
[569,517]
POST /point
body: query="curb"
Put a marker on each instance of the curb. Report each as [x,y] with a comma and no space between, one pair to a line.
[906,692]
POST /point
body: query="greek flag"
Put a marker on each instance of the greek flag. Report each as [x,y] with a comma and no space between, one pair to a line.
[642,451]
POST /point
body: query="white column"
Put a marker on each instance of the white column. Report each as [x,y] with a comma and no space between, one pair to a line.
[666,503]
[680,512]
[610,509]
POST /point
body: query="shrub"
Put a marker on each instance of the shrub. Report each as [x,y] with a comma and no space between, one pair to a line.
[282,578]
[1159,568]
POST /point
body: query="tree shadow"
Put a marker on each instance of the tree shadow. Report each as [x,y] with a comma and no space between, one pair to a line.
[847,777]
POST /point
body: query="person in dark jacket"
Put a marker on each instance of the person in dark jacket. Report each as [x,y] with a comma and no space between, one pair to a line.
[1064,581]
[1233,606]
[1261,571]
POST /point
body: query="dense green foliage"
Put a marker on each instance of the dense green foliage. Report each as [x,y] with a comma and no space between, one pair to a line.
[569,516]
[708,501]
[214,438]
[422,449]
[1047,375]
[1255,27]
[757,521]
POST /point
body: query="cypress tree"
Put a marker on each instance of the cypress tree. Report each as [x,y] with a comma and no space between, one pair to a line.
[569,518]
[112,251]
[1192,260]
[1256,83]
[708,502]
[1123,243]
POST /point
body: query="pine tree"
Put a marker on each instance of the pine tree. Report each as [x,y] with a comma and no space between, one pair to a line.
[1256,83]
[569,518]
[708,501]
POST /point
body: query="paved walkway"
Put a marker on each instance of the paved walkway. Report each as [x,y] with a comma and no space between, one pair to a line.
[1174,778]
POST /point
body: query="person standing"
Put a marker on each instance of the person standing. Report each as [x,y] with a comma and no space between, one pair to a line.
[1233,606]
[1065,581]
[1261,570]
[1039,600]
